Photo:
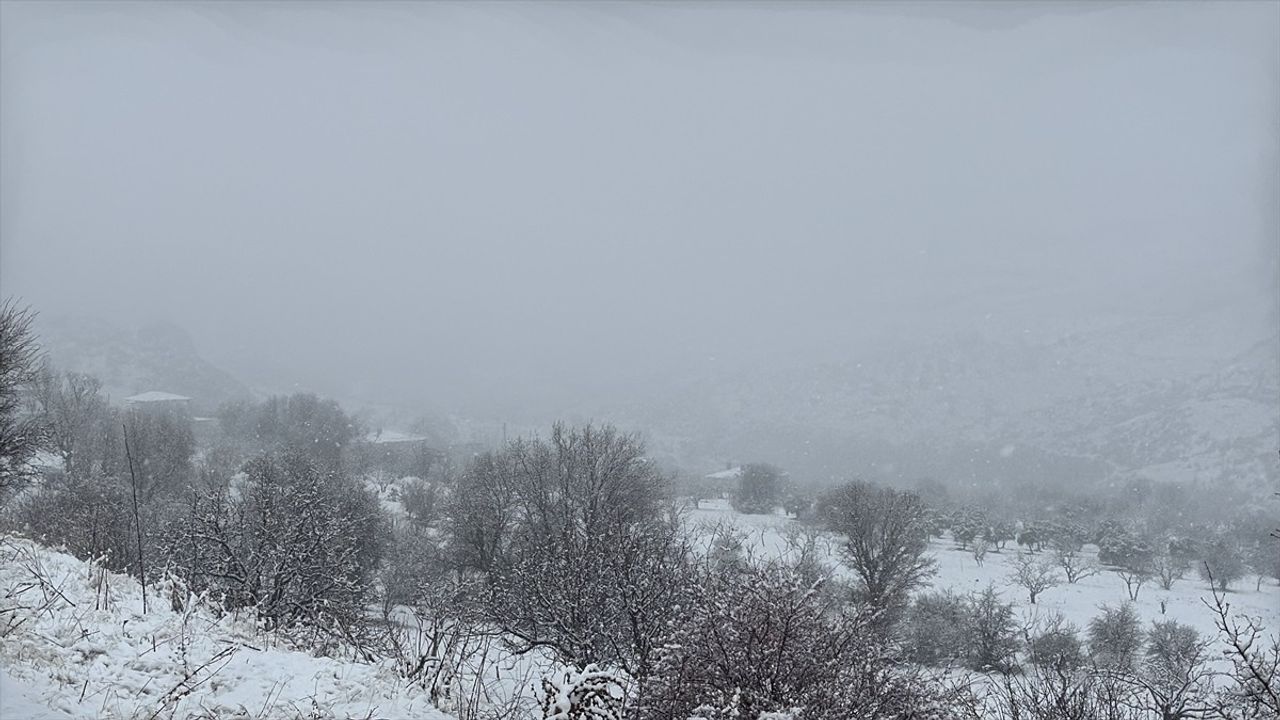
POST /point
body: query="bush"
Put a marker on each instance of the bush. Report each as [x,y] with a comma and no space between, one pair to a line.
[413,565]
[91,517]
[1057,647]
[418,498]
[1175,675]
[1222,559]
[1172,645]
[1115,637]
[969,523]
[294,541]
[993,633]
[769,639]
[936,628]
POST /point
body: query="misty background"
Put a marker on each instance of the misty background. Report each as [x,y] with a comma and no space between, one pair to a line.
[837,236]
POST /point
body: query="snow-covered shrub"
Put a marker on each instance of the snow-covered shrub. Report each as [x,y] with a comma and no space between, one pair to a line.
[993,633]
[21,434]
[936,628]
[91,518]
[418,497]
[592,694]
[727,551]
[763,638]
[1053,693]
[296,542]
[605,599]
[1057,646]
[1115,637]
[772,638]
[1174,666]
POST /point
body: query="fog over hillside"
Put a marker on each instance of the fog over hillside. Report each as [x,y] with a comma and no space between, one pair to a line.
[640,361]
[373,204]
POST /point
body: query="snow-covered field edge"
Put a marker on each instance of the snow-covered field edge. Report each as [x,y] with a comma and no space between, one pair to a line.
[75,643]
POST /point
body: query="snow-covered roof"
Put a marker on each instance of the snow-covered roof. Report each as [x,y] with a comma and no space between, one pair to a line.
[730,474]
[393,436]
[155,396]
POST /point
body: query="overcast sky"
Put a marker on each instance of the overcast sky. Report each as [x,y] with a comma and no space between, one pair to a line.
[437,201]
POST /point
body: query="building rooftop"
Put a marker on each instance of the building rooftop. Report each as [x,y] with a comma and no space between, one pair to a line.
[155,396]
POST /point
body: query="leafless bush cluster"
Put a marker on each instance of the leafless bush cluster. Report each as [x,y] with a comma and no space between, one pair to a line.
[296,542]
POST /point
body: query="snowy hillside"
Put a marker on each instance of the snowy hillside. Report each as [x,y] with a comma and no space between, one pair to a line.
[1165,398]
[157,357]
[767,536]
[75,643]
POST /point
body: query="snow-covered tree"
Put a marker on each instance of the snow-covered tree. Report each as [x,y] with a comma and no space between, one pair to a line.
[583,556]
[1222,561]
[1034,576]
[885,538]
[759,489]
[21,434]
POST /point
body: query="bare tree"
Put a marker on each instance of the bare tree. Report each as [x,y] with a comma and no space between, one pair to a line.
[77,417]
[1057,693]
[1034,576]
[1134,576]
[979,550]
[885,539]
[1169,568]
[1222,562]
[582,555]
[1075,565]
[1255,661]
[20,437]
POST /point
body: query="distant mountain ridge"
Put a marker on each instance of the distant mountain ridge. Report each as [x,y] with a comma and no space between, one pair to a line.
[1161,398]
[159,356]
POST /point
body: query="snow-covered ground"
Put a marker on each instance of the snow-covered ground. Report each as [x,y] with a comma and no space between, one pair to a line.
[1078,602]
[74,643]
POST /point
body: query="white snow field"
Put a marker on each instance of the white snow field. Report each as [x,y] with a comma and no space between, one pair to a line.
[1078,603]
[74,643]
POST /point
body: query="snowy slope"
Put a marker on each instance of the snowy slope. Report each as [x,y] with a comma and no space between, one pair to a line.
[74,643]
[1078,603]
[1165,398]
[156,357]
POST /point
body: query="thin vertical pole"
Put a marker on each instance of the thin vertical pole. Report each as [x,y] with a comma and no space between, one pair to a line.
[137,519]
